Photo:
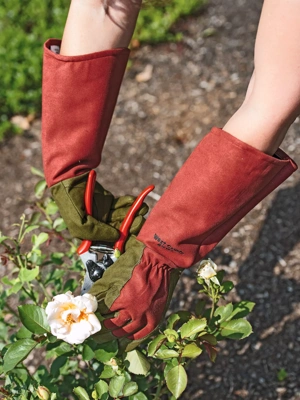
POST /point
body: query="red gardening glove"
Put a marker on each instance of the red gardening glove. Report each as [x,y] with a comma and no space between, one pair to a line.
[219,184]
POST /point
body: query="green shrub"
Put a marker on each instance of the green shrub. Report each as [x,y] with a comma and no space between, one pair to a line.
[26,24]
[35,272]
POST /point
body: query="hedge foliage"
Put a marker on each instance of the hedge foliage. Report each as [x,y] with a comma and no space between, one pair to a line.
[26,24]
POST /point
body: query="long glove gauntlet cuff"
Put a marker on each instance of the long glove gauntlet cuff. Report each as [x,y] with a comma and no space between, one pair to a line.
[219,184]
[79,97]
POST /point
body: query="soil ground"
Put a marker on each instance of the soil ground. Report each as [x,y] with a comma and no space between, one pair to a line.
[196,84]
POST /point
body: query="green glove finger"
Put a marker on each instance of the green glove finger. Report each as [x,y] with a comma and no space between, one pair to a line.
[124,202]
[135,227]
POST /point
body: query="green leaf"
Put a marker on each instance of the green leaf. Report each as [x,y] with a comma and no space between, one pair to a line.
[116,385]
[226,287]
[176,380]
[30,228]
[191,350]
[106,351]
[3,238]
[101,388]
[34,319]
[242,309]
[224,312]
[23,333]
[17,352]
[138,396]
[138,363]
[15,288]
[40,239]
[51,208]
[155,344]
[28,275]
[59,224]
[57,364]
[163,353]
[38,172]
[108,372]
[236,329]
[87,352]
[211,339]
[192,326]
[40,188]
[171,335]
[81,393]
[130,388]
[173,318]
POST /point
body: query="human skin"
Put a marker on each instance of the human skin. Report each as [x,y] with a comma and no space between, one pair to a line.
[96,25]
[272,101]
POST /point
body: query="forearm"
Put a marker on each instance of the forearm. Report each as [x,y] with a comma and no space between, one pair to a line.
[96,25]
[273,98]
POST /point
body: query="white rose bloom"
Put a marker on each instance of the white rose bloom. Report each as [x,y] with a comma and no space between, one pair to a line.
[72,319]
[207,271]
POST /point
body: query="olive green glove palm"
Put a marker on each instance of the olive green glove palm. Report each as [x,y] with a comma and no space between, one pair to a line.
[108,211]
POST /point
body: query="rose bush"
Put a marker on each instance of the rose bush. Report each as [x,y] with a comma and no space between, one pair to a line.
[54,325]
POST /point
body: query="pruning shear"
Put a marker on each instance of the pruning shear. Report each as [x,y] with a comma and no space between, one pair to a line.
[88,251]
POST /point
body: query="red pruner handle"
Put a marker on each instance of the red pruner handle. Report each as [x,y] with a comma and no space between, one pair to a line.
[126,224]
[88,202]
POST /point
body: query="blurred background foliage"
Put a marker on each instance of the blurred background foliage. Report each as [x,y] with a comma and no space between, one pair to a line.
[26,24]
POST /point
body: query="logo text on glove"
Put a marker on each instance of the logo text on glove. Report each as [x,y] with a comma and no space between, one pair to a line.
[165,245]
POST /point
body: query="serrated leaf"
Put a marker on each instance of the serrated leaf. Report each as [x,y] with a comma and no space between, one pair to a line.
[34,319]
[224,312]
[138,363]
[106,351]
[130,388]
[236,329]
[81,393]
[101,388]
[28,275]
[176,380]
[192,326]
[165,353]
[116,385]
[242,309]
[191,350]
[17,352]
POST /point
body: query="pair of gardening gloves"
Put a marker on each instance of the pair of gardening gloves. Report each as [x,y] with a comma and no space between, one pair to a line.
[221,181]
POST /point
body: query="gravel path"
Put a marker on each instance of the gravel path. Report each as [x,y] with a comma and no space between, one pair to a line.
[196,84]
